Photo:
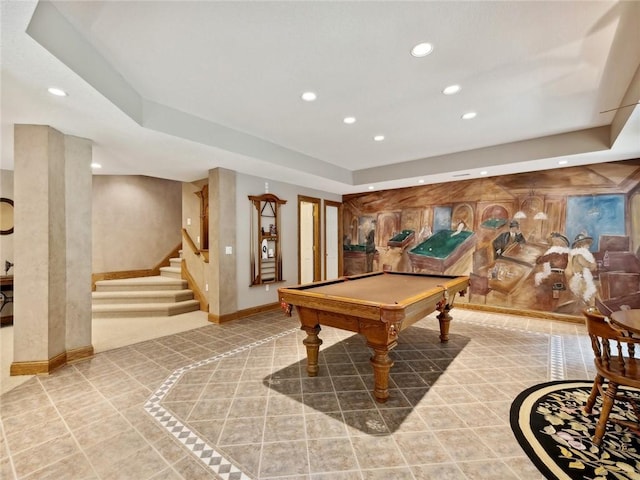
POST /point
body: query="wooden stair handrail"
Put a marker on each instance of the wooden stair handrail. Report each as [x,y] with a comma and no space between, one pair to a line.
[190,242]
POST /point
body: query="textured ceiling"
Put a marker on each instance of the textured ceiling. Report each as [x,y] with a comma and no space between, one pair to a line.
[173,89]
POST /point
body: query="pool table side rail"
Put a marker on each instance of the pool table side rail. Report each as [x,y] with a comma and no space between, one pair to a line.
[425,302]
[352,307]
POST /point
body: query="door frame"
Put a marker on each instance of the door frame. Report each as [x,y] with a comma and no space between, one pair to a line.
[316,236]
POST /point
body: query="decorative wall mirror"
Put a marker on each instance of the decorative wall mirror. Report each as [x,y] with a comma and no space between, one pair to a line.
[266,258]
[6,216]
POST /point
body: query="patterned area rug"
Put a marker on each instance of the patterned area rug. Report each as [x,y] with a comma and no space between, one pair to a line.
[549,423]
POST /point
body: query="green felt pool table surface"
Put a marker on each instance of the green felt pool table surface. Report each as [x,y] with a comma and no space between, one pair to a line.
[442,243]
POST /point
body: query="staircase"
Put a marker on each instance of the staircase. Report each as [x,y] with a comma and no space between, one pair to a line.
[159,296]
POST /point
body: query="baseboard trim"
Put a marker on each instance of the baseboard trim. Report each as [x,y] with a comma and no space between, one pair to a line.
[38,367]
[96,277]
[77,354]
[521,313]
[247,312]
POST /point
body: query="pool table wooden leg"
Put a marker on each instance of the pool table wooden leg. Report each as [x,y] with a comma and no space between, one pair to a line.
[312,342]
[445,320]
[382,364]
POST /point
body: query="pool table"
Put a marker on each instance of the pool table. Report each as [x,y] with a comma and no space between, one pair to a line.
[378,305]
[441,250]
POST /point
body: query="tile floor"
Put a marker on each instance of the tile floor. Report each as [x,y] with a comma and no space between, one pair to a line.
[233,402]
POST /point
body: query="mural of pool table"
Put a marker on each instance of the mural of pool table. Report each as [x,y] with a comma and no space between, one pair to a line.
[402,239]
[441,250]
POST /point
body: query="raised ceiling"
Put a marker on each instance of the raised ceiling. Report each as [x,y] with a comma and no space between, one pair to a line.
[173,89]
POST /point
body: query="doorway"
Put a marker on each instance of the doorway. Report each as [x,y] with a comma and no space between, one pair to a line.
[332,240]
[308,239]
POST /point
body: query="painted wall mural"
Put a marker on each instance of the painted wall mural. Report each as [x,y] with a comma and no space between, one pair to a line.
[553,241]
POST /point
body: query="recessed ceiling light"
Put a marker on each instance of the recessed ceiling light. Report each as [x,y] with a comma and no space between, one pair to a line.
[469,115]
[309,96]
[378,138]
[349,120]
[371,187]
[483,172]
[421,181]
[452,89]
[563,162]
[422,50]
[58,92]
[96,165]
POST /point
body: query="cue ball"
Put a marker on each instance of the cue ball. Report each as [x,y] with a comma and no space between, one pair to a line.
[430,248]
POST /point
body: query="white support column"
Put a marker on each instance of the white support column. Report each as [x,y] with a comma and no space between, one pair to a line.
[223,289]
[46,214]
[78,185]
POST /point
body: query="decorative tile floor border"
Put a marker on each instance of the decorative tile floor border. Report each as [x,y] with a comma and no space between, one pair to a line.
[207,454]
[557,368]
[222,467]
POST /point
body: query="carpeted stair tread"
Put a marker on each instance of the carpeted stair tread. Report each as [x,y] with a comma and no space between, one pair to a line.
[158,282]
[141,296]
[157,296]
[144,309]
[171,272]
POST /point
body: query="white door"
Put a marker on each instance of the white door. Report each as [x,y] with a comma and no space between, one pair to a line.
[306,242]
[332,244]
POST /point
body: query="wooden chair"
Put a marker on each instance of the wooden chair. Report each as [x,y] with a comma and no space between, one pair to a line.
[619,370]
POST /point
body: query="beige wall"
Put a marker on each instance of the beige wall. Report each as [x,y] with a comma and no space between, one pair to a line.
[136,221]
